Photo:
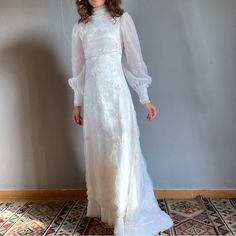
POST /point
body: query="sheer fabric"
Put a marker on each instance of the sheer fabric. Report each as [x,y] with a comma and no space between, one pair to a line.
[134,67]
[78,66]
[105,56]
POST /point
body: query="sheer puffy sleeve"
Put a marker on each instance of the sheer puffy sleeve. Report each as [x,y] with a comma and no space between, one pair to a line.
[76,82]
[133,65]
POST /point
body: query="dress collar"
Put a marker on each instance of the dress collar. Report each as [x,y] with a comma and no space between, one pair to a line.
[98,11]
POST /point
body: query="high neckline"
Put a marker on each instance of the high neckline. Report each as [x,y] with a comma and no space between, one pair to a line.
[97,11]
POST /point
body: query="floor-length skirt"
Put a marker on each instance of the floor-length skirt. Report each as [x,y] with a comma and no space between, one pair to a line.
[119,188]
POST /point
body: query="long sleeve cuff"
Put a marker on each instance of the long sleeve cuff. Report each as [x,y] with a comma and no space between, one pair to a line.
[78,99]
[143,95]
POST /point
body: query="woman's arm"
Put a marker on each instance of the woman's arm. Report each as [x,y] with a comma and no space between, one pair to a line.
[78,66]
[134,66]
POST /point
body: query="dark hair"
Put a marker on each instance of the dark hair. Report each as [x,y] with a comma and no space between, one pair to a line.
[85,9]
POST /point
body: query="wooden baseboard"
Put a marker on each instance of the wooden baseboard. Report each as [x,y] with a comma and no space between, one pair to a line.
[80,194]
[43,194]
[192,193]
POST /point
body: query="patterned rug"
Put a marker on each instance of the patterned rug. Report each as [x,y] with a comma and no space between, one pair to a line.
[198,216]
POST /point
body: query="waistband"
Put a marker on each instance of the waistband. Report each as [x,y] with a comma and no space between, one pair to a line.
[103,53]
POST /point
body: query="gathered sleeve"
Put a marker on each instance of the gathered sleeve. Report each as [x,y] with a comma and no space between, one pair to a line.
[76,82]
[133,65]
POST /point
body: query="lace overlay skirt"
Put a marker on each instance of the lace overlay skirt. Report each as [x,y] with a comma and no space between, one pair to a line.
[119,188]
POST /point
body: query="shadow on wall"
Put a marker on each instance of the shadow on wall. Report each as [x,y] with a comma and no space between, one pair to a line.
[40,115]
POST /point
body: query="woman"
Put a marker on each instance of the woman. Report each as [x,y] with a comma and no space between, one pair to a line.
[106,52]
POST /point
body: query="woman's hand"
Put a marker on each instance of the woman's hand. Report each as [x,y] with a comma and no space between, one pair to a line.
[152,112]
[76,115]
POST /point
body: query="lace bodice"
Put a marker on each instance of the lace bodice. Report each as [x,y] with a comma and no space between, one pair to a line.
[103,34]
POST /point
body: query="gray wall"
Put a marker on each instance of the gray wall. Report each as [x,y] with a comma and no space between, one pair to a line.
[189,47]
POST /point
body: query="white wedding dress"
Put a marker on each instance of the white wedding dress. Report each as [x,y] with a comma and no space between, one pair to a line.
[106,52]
